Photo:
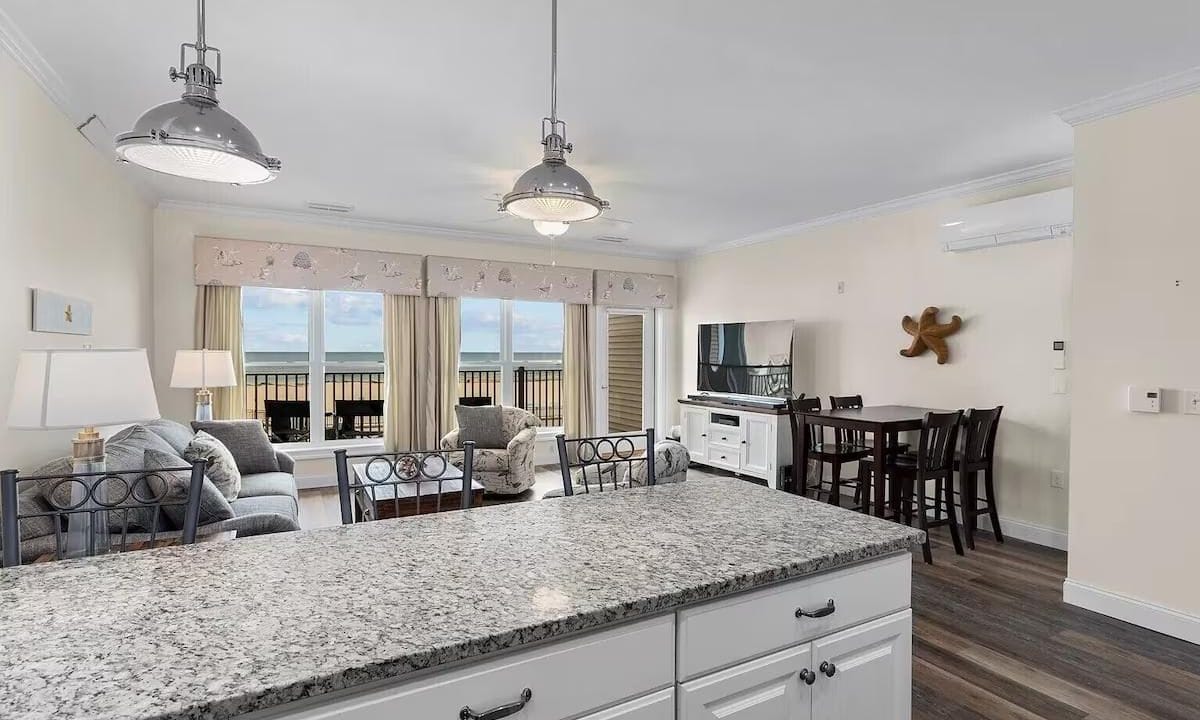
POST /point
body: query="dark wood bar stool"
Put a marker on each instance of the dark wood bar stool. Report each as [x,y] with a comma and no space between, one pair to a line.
[934,461]
[836,454]
[978,455]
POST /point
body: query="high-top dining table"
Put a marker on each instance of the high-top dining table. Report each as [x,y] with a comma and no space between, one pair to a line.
[880,420]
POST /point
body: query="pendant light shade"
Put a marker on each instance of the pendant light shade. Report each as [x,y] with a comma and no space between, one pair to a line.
[193,137]
[551,192]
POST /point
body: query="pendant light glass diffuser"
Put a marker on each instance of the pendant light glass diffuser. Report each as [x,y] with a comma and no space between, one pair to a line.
[193,137]
[551,193]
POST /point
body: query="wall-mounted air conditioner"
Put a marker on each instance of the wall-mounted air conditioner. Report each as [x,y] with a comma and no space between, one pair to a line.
[1030,218]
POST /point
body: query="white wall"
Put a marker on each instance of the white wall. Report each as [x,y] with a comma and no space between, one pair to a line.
[175,292]
[1013,301]
[1136,488]
[71,222]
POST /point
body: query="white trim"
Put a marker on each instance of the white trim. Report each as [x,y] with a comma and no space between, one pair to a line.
[992,183]
[1131,98]
[1139,612]
[1029,532]
[301,452]
[34,64]
[388,226]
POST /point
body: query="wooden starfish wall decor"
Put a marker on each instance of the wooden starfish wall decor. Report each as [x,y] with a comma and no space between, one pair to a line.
[928,334]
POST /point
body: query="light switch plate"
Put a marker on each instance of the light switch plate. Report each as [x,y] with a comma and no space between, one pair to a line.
[1191,402]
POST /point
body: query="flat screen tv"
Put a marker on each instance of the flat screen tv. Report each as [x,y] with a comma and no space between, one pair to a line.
[751,358]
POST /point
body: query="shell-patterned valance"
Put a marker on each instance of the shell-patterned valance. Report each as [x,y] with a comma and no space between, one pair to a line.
[221,261]
[629,289]
[459,277]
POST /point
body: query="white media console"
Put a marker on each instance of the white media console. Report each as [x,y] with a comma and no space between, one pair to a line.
[753,440]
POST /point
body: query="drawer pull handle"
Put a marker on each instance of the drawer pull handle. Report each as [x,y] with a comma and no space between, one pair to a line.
[823,612]
[703,434]
[828,668]
[808,676]
[497,712]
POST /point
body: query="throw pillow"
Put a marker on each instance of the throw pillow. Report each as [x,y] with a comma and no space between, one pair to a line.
[29,501]
[483,425]
[176,434]
[222,469]
[246,440]
[173,486]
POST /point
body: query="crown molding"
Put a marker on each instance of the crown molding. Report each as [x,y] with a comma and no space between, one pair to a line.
[312,218]
[22,50]
[991,183]
[1131,98]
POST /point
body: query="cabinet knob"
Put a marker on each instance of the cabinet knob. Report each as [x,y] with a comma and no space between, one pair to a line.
[828,668]
[829,609]
[743,442]
[808,676]
[703,434]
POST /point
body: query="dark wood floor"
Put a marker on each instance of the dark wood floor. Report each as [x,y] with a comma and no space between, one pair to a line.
[994,640]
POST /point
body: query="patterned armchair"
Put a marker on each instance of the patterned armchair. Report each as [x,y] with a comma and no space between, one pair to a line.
[507,470]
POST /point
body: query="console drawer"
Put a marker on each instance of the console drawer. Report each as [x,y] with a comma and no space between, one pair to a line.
[721,634]
[729,458]
[567,679]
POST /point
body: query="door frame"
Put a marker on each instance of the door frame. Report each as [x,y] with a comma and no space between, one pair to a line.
[649,365]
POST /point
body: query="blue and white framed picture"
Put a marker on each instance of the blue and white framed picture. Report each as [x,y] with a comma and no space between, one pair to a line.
[55,313]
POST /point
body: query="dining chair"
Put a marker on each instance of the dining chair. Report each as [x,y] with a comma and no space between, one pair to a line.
[932,461]
[388,485]
[606,463]
[978,456]
[96,513]
[834,454]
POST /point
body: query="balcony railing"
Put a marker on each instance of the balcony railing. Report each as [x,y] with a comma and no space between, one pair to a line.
[354,399]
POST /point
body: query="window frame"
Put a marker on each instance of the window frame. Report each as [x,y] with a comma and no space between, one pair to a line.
[317,365]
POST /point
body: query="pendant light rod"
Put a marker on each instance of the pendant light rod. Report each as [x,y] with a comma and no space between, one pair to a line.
[200,35]
[553,62]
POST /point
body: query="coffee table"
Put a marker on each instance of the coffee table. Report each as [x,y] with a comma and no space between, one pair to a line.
[412,498]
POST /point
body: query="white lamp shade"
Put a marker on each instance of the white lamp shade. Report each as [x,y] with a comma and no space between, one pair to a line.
[203,369]
[69,389]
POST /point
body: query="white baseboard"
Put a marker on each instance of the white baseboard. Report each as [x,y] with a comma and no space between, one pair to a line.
[1139,612]
[1029,532]
[311,482]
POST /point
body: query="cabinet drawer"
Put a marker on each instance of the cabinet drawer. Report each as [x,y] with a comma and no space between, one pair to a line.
[659,706]
[725,457]
[726,632]
[567,679]
[718,435]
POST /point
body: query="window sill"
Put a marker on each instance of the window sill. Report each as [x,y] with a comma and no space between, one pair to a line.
[307,451]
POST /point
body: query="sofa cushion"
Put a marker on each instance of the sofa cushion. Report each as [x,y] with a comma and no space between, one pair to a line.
[176,434]
[247,440]
[222,468]
[30,500]
[272,483]
[276,504]
[213,505]
[482,425]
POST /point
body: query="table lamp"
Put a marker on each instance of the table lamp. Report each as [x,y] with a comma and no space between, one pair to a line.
[203,369]
[83,389]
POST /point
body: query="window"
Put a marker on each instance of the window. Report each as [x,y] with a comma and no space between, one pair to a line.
[511,353]
[290,337]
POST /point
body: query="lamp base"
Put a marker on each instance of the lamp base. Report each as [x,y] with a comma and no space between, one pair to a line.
[87,527]
[204,405]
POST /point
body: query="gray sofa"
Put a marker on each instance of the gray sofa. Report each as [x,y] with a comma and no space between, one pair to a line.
[267,502]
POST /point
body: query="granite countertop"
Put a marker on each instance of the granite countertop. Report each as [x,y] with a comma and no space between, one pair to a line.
[214,630]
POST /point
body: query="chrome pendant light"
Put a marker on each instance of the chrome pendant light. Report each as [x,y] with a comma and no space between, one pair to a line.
[193,137]
[551,193]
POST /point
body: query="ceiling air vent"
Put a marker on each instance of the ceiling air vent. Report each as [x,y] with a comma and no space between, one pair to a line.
[612,239]
[330,207]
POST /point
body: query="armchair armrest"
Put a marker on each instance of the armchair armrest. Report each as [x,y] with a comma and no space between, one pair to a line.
[286,463]
[527,436]
[451,442]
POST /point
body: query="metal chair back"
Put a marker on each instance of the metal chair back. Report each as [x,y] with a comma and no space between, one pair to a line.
[105,512]
[358,418]
[400,484]
[287,420]
[603,463]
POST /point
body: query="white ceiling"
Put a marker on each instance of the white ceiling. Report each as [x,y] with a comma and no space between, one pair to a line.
[703,121]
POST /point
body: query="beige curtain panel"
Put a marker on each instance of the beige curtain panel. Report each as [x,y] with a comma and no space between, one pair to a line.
[579,406]
[219,327]
[420,341]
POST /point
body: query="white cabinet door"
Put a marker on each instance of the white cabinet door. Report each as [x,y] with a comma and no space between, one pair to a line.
[769,688]
[865,671]
[758,450]
[694,432]
[658,706]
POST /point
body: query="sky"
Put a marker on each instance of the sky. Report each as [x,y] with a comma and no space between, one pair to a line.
[276,320]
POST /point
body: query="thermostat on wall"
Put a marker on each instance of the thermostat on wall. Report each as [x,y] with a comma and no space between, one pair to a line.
[1145,399]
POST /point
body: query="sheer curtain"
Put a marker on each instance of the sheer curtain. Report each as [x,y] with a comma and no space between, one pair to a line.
[579,406]
[420,342]
[219,327]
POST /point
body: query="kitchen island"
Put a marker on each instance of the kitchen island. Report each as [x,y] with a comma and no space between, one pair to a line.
[648,603]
